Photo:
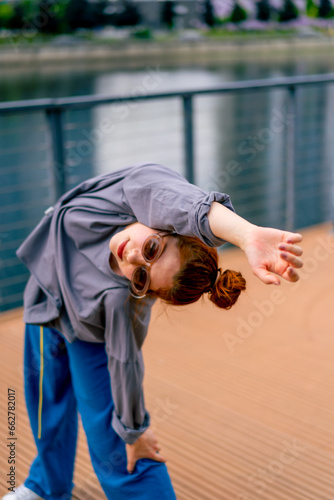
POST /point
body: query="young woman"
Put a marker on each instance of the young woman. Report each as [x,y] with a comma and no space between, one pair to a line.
[98,260]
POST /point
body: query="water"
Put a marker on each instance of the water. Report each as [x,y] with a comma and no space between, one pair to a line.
[240,141]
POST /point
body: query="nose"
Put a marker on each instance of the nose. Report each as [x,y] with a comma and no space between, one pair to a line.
[135,257]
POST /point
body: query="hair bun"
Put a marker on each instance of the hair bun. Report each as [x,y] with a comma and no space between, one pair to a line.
[227,289]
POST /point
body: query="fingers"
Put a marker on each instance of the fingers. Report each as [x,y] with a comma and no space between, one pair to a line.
[131,465]
[154,456]
[291,254]
[133,457]
[267,277]
[292,259]
[293,237]
[158,458]
[291,274]
[295,249]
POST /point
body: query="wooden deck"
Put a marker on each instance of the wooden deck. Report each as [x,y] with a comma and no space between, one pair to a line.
[241,400]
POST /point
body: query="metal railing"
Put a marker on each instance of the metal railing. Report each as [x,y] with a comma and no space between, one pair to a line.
[55,109]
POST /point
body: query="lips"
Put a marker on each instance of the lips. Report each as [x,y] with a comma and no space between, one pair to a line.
[120,249]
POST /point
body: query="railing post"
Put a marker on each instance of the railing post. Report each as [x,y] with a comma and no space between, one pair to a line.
[54,116]
[188,137]
[291,160]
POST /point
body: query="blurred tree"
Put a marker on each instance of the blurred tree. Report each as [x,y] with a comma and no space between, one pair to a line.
[85,14]
[61,13]
[238,14]
[48,18]
[168,14]
[209,14]
[127,16]
[263,10]
[22,16]
[325,9]
[311,9]
[77,14]
[6,14]
[288,12]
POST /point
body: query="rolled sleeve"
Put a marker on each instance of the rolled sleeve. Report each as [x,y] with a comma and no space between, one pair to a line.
[199,217]
[162,199]
[129,435]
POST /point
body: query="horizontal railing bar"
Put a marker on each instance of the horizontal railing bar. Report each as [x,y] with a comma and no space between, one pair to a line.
[88,101]
[11,299]
[12,244]
[23,149]
[6,283]
[15,207]
[14,131]
[15,188]
[18,169]
[7,263]
[116,121]
[21,224]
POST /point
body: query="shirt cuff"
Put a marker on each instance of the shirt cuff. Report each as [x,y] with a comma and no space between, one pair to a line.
[202,226]
[126,433]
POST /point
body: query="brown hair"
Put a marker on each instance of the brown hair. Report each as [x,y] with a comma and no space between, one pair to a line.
[199,274]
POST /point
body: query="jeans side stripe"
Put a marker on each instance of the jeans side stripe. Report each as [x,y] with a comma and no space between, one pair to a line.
[41,373]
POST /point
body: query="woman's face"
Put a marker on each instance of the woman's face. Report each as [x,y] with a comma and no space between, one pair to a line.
[126,249]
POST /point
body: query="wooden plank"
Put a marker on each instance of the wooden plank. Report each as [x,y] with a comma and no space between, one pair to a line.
[241,400]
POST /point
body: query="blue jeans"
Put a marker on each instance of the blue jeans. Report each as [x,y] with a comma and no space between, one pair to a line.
[60,380]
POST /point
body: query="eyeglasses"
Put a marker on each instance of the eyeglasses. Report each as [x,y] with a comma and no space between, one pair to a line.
[152,249]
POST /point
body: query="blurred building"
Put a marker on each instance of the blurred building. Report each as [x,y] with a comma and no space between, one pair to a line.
[187,13]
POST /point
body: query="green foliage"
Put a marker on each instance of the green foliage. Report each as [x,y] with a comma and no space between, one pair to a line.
[209,15]
[238,14]
[85,14]
[51,18]
[45,16]
[311,9]
[143,34]
[168,14]
[325,9]
[263,10]
[6,13]
[22,15]
[288,12]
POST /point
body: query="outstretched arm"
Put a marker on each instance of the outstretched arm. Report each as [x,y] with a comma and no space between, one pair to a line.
[271,253]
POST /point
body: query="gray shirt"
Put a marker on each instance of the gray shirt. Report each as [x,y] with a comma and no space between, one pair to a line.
[72,287]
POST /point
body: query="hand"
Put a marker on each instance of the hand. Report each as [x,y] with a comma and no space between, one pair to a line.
[146,446]
[273,253]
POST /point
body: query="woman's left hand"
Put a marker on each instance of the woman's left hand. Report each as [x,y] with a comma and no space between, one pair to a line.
[272,253]
[146,446]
